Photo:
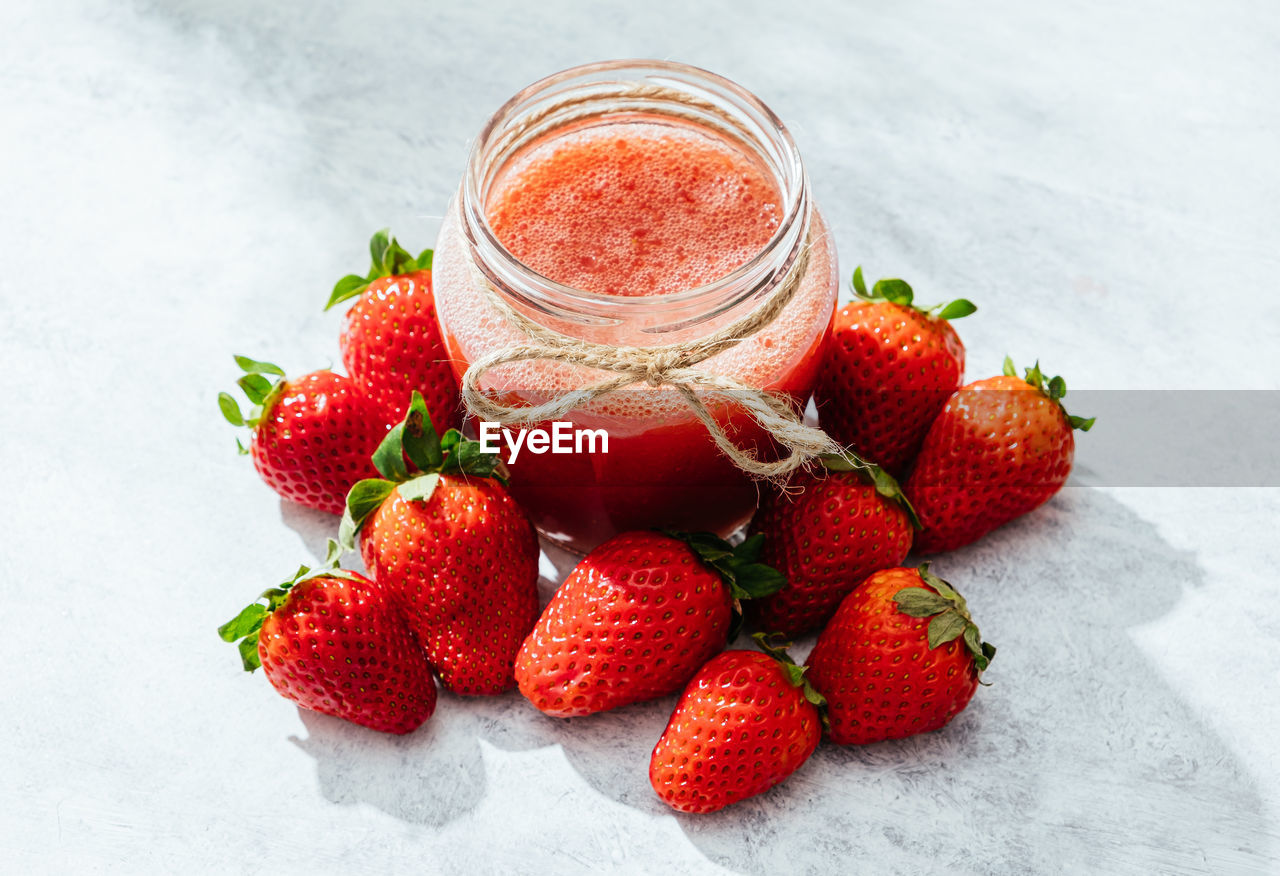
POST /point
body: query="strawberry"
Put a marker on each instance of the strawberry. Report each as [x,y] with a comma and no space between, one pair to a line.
[312,435]
[1000,447]
[901,656]
[330,641]
[452,548]
[636,618]
[746,721]
[889,367]
[825,534]
[391,344]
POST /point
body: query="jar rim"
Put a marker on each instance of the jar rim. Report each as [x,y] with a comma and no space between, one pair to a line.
[758,128]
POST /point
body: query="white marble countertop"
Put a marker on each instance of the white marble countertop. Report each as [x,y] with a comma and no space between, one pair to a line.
[184,180]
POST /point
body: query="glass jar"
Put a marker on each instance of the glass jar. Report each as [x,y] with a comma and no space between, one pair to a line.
[661,468]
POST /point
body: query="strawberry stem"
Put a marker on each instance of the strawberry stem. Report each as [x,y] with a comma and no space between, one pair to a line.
[262,384]
[389,259]
[430,455]
[950,613]
[1054,387]
[246,625]
[886,485]
[739,567]
[774,645]
[899,292]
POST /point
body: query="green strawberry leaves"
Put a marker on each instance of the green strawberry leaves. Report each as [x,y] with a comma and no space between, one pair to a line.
[429,456]
[262,384]
[950,615]
[957,309]
[246,625]
[419,439]
[899,292]
[739,567]
[886,485]
[230,409]
[1054,387]
[253,365]
[892,290]
[770,644]
[390,259]
[467,457]
[388,458]
[419,489]
[363,499]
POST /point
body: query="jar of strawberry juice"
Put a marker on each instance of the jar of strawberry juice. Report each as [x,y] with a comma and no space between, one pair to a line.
[636,204]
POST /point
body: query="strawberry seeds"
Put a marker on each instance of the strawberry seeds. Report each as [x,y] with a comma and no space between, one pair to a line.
[452,559]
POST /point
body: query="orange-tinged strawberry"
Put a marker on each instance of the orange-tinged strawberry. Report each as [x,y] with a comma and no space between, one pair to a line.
[311,435]
[1000,447]
[391,343]
[901,656]
[825,533]
[329,640]
[745,722]
[889,367]
[636,618]
[453,550]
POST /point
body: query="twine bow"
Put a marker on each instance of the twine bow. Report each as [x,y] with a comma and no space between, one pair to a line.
[671,365]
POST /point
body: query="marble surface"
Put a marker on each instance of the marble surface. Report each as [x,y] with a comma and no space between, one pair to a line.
[183,180]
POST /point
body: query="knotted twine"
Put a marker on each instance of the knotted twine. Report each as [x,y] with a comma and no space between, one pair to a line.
[670,365]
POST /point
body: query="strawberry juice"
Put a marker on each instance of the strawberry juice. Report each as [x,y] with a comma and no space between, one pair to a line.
[634,229]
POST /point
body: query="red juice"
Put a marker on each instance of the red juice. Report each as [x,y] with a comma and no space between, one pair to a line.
[638,207]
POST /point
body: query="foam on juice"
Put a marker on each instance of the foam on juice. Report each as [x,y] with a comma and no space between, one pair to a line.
[634,208]
[684,249]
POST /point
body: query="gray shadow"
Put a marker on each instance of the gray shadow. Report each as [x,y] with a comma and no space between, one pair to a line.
[436,773]
[314,528]
[1077,758]
[430,776]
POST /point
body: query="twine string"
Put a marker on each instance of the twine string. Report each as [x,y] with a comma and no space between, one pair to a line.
[667,365]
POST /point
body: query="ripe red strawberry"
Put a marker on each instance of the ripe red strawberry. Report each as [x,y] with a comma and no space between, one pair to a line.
[312,435]
[452,548]
[901,656]
[391,344]
[636,618]
[745,722]
[825,534]
[330,641]
[889,368]
[1000,447]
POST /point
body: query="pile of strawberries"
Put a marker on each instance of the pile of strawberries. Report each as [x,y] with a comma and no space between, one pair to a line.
[452,559]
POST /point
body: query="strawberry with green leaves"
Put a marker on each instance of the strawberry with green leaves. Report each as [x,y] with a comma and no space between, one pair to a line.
[746,722]
[391,344]
[889,368]
[329,640]
[901,656]
[636,618]
[826,532]
[1000,447]
[452,549]
[311,435]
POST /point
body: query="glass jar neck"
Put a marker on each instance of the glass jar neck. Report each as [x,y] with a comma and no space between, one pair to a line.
[599,93]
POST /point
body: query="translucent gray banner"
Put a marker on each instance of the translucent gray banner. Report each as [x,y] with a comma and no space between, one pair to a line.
[1142,438]
[1177,438]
